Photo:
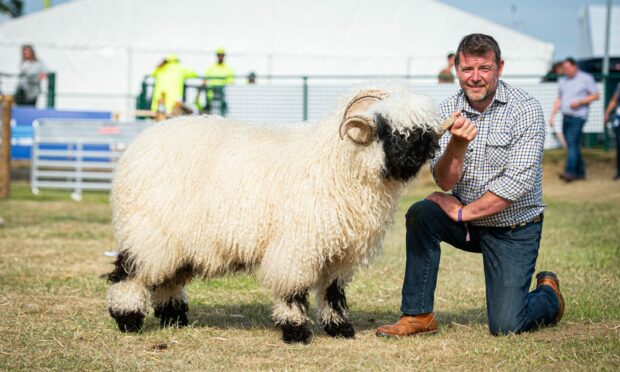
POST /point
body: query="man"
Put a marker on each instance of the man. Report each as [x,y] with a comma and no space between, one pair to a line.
[445,75]
[612,113]
[217,76]
[170,78]
[492,162]
[576,91]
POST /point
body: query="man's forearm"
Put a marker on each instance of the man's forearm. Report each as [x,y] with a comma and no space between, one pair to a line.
[449,166]
[589,99]
[556,107]
[487,205]
[612,105]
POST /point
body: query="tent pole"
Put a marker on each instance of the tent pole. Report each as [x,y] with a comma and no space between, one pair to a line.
[607,37]
[129,78]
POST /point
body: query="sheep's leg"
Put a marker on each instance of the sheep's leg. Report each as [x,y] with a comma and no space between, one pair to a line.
[127,297]
[333,310]
[290,314]
[128,304]
[170,304]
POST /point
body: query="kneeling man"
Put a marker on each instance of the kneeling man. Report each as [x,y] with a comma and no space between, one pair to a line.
[492,162]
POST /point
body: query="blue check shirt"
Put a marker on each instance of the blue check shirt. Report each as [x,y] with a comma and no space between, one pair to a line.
[505,158]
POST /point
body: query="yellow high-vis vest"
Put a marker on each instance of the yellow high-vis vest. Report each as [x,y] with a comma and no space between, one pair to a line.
[170,79]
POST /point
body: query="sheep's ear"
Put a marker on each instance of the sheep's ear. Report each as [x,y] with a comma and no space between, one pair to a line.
[359,128]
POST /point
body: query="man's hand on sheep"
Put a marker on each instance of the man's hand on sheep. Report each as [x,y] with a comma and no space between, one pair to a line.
[447,202]
[463,130]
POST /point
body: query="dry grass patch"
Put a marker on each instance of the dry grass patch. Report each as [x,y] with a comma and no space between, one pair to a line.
[55,317]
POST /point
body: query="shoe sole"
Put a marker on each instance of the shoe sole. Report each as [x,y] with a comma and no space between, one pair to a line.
[389,335]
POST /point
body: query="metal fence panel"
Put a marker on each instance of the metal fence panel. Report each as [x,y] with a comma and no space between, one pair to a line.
[78,154]
[284,103]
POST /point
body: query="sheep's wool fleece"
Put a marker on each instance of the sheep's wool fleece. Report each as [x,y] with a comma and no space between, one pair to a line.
[292,203]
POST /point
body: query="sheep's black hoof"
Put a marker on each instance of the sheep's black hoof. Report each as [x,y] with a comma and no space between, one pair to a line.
[172,313]
[128,321]
[293,333]
[344,330]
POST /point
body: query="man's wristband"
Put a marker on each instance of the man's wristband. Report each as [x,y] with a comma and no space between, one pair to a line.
[459,215]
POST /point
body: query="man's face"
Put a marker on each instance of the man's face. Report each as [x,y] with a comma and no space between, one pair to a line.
[478,76]
[220,58]
[569,69]
[27,54]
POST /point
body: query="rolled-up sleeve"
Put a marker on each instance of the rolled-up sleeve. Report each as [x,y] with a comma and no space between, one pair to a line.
[525,154]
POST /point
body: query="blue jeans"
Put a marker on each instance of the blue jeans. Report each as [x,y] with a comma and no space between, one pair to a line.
[509,257]
[617,130]
[571,128]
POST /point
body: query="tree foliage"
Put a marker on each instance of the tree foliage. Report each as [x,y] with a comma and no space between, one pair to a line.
[14,8]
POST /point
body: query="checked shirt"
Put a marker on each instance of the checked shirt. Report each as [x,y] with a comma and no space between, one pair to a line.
[505,158]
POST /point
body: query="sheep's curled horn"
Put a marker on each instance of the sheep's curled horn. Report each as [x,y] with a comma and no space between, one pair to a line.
[366,127]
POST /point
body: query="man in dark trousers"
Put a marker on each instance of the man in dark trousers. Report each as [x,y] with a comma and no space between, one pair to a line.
[576,90]
[492,162]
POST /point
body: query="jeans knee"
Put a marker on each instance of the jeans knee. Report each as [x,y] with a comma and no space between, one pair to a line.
[504,326]
[421,211]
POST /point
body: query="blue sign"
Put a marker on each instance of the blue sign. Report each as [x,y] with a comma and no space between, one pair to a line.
[22,131]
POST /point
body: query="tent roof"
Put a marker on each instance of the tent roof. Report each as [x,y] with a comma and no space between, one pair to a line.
[296,36]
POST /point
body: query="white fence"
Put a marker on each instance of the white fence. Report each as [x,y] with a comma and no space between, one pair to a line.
[78,154]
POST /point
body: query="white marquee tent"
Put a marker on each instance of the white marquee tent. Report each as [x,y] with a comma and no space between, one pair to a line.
[104,48]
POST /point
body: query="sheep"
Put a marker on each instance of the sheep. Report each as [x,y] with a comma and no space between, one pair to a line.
[301,207]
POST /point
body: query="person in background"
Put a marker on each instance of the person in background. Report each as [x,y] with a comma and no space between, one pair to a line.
[446,75]
[554,73]
[552,76]
[612,113]
[31,72]
[170,78]
[217,76]
[491,159]
[251,78]
[576,91]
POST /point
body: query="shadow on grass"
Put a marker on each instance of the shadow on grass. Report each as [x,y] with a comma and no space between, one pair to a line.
[258,315]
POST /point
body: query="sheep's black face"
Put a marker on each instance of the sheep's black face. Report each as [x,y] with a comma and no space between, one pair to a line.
[405,156]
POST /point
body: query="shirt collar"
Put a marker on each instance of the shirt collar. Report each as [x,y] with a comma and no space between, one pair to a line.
[501,96]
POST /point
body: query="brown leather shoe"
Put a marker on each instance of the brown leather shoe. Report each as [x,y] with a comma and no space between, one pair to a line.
[550,279]
[409,325]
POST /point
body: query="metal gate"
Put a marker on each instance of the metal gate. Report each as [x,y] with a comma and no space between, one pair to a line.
[78,154]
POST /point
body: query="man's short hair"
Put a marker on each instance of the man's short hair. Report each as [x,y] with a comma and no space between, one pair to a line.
[571,60]
[450,55]
[478,45]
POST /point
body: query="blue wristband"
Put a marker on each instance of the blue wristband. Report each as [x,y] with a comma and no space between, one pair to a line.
[460,215]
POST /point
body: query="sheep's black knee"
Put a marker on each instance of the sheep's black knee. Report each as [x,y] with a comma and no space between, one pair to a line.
[128,321]
[172,313]
[337,301]
[123,268]
[296,333]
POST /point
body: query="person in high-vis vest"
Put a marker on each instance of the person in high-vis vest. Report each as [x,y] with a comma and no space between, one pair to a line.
[169,80]
[217,76]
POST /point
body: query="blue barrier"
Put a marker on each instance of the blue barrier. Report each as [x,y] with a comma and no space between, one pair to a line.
[22,131]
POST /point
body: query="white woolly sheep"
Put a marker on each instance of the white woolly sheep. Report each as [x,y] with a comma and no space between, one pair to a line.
[301,207]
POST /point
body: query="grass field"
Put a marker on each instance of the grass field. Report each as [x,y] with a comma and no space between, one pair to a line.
[54,316]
